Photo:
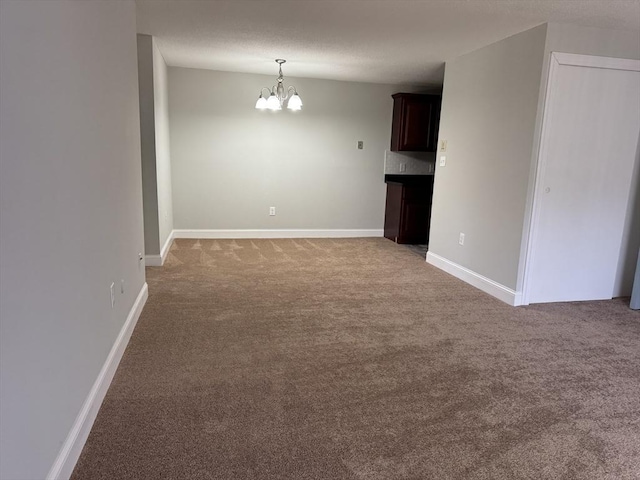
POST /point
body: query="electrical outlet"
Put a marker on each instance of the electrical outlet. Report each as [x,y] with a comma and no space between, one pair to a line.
[113,294]
[360,144]
[403,167]
[461,239]
[272,211]
[443,161]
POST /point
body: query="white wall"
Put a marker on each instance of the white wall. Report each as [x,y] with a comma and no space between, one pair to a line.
[71,213]
[231,162]
[156,159]
[489,109]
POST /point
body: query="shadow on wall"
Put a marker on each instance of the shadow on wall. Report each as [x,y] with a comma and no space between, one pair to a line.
[631,243]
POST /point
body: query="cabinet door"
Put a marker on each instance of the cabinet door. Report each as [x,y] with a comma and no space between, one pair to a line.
[416,210]
[415,122]
[393,211]
[415,224]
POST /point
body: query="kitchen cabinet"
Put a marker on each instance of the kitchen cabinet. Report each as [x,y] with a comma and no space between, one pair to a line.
[416,118]
[408,208]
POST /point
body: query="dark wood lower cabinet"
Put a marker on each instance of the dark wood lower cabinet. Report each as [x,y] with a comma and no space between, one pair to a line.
[408,210]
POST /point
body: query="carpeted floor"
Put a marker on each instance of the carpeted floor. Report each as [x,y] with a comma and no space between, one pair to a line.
[354,359]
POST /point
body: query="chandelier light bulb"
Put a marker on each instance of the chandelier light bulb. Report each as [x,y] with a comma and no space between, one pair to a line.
[273,103]
[295,102]
[261,104]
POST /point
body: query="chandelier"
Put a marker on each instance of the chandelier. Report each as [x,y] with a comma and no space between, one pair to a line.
[278,95]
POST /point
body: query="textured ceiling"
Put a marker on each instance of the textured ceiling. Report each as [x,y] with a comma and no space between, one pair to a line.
[382,41]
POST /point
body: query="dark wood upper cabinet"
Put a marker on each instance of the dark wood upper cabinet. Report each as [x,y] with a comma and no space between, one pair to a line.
[415,122]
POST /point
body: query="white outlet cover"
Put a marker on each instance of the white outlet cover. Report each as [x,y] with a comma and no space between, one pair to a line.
[443,161]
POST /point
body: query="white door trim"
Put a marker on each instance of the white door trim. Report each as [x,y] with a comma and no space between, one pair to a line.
[556,60]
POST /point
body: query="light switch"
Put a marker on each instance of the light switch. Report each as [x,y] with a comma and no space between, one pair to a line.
[403,167]
[443,145]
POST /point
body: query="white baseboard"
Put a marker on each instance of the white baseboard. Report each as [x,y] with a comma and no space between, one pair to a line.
[72,447]
[282,233]
[481,282]
[158,260]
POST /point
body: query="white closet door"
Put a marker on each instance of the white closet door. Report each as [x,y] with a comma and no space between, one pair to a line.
[588,151]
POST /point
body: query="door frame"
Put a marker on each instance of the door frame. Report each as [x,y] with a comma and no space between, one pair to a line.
[557,59]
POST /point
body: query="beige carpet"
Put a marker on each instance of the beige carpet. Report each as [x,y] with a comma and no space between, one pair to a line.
[354,359]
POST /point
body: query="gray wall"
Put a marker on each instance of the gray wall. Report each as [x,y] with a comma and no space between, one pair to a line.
[71,213]
[592,41]
[231,162]
[148,145]
[163,149]
[489,109]
[156,159]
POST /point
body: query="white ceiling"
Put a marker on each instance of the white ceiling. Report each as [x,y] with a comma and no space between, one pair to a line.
[381,41]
